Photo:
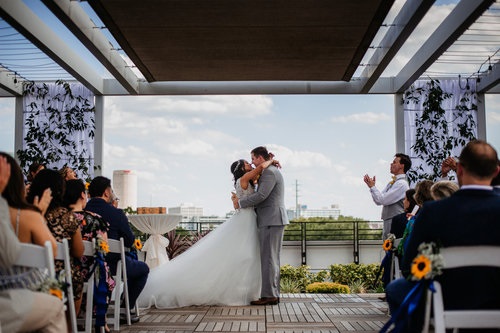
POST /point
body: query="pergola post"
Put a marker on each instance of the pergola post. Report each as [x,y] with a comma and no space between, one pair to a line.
[18,126]
[481,116]
[399,123]
[98,134]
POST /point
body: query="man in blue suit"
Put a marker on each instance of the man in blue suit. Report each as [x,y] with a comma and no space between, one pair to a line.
[471,216]
[101,195]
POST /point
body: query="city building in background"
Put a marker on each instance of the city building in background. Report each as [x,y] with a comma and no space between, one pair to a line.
[125,188]
[332,212]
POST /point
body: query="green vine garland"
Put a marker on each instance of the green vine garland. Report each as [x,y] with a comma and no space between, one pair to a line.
[436,137]
[50,123]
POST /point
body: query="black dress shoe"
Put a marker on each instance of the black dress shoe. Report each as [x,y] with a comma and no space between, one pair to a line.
[266,301]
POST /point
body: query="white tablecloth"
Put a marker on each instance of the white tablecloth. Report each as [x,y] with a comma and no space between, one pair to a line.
[156,225]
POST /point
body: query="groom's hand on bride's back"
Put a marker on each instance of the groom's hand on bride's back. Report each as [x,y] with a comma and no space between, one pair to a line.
[235,199]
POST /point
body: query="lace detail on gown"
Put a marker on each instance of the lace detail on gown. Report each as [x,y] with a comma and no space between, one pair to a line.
[223,268]
[240,192]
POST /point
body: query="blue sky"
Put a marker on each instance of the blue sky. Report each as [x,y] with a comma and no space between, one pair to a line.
[181,147]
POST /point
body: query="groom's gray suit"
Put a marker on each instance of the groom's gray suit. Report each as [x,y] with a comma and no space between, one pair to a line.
[269,203]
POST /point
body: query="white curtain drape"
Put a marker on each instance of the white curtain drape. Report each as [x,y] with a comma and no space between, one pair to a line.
[83,139]
[414,110]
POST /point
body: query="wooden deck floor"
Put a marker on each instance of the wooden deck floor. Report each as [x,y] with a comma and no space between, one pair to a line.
[296,313]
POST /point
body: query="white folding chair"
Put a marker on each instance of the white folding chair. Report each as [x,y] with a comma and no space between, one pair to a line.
[63,254]
[37,256]
[395,270]
[454,257]
[118,246]
[88,288]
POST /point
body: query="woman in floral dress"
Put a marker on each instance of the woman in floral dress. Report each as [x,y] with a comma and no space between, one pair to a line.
[93,227]
[62,224]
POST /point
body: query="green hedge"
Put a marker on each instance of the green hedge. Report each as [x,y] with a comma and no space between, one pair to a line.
[349,274]
[327,288]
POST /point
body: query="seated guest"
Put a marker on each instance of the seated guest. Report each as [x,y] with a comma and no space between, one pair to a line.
[422,195]
[93,227]
[26,219]
[63,224]
[468,217]
[22,310]
[496,182]
[101,195]
[443,189]
[67,173]
[399,221]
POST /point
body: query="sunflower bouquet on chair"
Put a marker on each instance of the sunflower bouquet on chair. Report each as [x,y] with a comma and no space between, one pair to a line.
[428,263]
[425,267]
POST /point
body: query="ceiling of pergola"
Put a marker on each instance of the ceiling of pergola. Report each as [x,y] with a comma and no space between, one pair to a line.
[232,46]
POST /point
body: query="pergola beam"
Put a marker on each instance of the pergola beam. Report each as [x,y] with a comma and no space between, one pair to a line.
[465,13]
[405,22]
[8,85]
[72,15]
[489,81]
[22,18]
[382,86]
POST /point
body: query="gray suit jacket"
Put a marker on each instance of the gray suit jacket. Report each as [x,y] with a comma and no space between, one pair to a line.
[269,199]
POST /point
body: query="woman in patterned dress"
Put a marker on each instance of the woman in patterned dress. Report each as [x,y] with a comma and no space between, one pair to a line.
[63,224]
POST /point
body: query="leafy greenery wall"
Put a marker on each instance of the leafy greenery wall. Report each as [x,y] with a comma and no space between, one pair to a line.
[58,128]
[438,133]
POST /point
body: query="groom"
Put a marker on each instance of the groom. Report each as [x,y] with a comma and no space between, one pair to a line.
[269,205]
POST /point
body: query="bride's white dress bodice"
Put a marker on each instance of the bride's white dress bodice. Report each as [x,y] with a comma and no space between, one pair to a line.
[223,268]
[241,193]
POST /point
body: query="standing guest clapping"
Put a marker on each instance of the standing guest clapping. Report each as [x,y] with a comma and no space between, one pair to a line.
[391,197]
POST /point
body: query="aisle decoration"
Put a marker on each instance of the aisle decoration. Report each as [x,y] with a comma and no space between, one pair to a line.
[386,264]
[425,267]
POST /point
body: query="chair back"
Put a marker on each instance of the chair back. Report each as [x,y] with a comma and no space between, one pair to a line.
[118,246]
[455,257]
[395,270]
[36,256]
[88,287]
[64,255]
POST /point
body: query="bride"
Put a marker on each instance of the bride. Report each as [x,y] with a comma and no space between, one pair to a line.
[222,268]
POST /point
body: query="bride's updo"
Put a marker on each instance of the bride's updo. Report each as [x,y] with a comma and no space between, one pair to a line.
[238,169]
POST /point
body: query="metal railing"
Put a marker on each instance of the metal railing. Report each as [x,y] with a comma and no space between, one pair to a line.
[325,233]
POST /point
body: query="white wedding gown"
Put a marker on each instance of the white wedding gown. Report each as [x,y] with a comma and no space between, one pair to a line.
[222,268]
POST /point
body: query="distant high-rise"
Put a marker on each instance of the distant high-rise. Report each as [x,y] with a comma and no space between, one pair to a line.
[332,212]
[125,187]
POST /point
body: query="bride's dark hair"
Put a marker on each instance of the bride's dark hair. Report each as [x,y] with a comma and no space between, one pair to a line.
[238,169]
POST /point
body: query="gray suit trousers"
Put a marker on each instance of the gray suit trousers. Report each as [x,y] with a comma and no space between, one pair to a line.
[271,239]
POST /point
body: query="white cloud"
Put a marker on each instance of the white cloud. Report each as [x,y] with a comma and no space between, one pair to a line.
[191,147]
[364,118]
[299,159]
[247,106]
[493,117]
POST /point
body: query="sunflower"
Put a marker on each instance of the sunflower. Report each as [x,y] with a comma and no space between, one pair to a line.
[104,246]
[138,244]
[56,292]
[387,246]
[421,267]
